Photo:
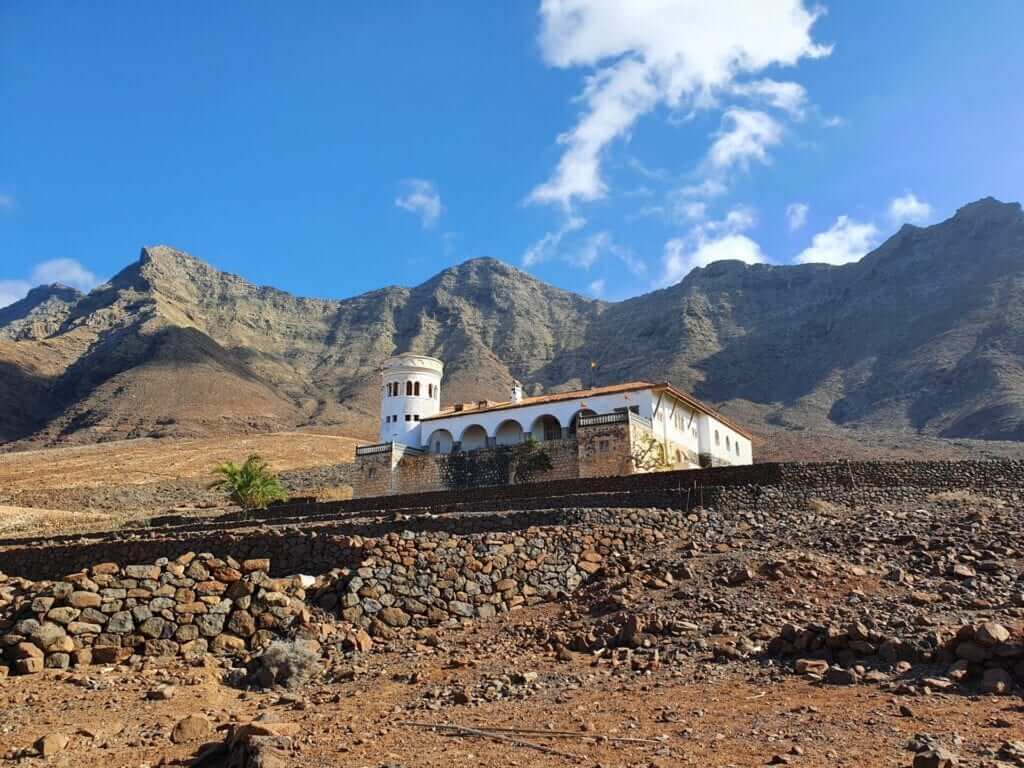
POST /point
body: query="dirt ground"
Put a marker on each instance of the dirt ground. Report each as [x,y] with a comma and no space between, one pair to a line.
[741,714]
[148,460]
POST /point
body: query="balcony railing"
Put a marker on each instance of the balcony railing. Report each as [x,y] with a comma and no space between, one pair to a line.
[367,450]
[620,417]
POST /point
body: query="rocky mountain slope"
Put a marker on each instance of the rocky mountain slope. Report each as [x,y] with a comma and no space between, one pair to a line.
[923,336]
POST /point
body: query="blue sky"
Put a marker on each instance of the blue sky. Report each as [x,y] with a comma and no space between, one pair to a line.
[333,148]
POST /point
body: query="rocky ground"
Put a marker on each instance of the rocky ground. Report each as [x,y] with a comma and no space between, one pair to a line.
[883,633]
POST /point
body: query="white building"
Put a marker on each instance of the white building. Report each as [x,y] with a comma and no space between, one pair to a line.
[691,433]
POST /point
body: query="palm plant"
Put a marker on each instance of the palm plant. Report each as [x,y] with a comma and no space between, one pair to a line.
[251,485]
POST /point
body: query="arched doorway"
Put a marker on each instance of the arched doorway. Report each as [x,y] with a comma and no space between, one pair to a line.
[509,432]
[546,427]
[440,441]
[474,437]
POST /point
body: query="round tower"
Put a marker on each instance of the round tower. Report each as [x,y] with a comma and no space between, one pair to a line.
[410,391]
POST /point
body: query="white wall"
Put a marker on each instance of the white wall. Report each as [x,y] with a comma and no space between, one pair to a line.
[649,403]
[674,422]
[400,370]
[725,444]
[526,415]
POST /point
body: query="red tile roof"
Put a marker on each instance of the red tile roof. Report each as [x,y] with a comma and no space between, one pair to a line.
[487,406]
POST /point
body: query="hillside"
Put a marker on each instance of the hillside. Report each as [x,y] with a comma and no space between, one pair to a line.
[922,337]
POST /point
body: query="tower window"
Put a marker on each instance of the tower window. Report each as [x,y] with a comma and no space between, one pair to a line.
[415,417]
[416,389]
[408,388]
[408,417]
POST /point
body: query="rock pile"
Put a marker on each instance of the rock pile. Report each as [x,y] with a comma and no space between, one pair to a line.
[189,606]
[988,657]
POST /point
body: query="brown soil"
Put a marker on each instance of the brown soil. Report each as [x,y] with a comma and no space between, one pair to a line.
[149,460]
[708,715]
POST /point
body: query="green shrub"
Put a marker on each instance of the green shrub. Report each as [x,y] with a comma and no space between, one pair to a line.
[250,486]
[528,460]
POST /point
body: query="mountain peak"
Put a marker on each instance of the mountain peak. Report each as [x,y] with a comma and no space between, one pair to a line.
[39,313]
[988,209]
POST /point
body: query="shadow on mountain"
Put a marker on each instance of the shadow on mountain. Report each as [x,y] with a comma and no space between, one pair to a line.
[24,399]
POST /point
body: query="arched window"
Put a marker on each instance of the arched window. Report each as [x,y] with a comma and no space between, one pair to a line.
[408,388]
[416,389]
[717,441]
[737,447]
[728,445]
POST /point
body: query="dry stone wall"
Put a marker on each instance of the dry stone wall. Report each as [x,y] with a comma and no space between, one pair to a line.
[186,607]
[420,579]
[196,604]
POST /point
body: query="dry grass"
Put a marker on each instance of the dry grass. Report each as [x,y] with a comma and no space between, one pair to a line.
[967,498]
[333,493]
[15,521]
[147,460]
[823,507]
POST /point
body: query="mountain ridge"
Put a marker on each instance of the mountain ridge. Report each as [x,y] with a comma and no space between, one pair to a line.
[924,335]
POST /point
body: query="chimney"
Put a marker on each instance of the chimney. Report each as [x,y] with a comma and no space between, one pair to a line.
[517,391]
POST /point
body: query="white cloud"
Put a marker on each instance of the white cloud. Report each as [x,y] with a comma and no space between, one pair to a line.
[845,241]
[646,53]
[420,197]
[746,139]
[548,244]
[681,258]
[796,215]
[791,98]
[707,189]
[709,242]
[909,209]
[597,287]
[66,271]
[12,291]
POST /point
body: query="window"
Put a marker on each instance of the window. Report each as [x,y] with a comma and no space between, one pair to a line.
[415,417]
[416,389]
[717,441]
[603,446]
[737,447]
[430,390]
[408,417]
[728,446]
[408,388]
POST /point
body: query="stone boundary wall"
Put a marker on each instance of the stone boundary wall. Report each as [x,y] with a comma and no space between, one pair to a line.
[312,549]
[316,537]
[194,604]
[186,607]
[933,475]
[434,578]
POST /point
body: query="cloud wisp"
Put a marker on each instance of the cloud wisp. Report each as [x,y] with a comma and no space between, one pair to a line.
[682,54]
[421,198]
[796,215]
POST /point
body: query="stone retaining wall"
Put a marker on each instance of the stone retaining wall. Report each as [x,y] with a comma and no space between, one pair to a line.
[186,607]
[420,579]
[191,605]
